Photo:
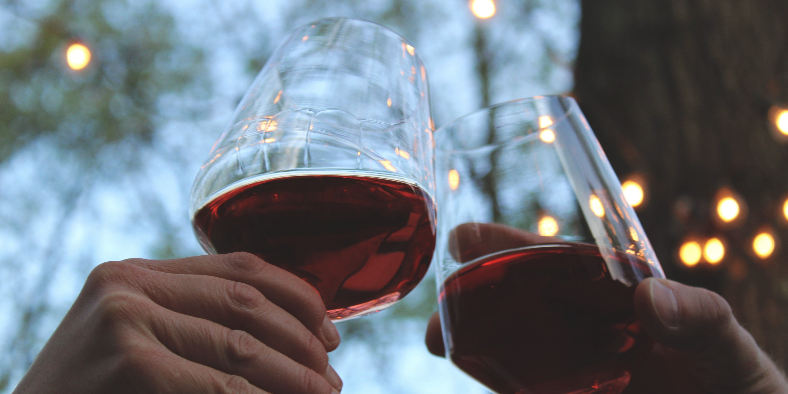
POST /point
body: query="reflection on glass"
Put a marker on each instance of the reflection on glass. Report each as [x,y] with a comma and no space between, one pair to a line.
[596,206]
[548,226]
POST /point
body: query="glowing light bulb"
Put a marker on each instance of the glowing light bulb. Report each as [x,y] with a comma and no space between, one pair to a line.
[785,209]
[633,192]
[781,121]
[77,56]
[596,206]
[714,251]
[483,9]
[548,226]
[728,209]
[454,179]
[763,245]
[547,136]
[690,253]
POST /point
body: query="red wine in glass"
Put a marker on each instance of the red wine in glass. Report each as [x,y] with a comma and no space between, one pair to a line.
[545,319]
[363,242]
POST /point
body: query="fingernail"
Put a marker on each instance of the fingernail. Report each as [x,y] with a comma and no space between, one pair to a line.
[330,331]
[665,304]
[334,379]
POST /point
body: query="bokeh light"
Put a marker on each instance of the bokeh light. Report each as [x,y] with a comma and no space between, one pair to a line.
[763,245]
[77,56]
[781,121]
[548,226]
[728,209]
[785,209]
[690,253]
[483,9]
[454,179]
[714,251]
[633,192]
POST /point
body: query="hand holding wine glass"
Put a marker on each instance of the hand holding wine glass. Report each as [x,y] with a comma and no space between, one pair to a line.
[206,324]
[701,348]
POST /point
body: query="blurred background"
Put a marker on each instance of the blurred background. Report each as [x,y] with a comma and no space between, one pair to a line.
[108,108]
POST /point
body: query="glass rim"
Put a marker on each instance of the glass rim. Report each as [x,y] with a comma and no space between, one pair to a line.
[340,18]
[475,149]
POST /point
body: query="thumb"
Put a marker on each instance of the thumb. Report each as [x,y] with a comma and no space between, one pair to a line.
[700,324]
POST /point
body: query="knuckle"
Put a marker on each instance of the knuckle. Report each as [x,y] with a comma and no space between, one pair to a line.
[120,306]
[717,312]
[137,366]
[242,348]
[245,264]
[234,384]
[107,273]
[311,382]
[315,351]
[245,297]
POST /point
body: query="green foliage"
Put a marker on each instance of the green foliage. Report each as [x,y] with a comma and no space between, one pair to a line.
[137,58]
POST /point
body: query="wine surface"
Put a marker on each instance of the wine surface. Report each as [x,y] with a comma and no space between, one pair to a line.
[543,320]
[362,242]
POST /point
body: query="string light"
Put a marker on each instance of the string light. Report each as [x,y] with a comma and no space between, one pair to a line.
[713,251]
[728,209]
[548,226]
[785,209]
[781,121]
[483,9]
[77,56]
[633,192]
[690,253]
[763,245]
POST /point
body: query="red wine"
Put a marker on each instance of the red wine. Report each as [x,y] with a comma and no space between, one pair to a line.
[362,242]
[544,320]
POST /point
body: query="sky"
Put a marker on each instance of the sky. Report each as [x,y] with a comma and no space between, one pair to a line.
[105,222]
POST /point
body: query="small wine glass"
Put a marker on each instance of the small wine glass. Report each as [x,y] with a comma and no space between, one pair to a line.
[326,168]
[538,252]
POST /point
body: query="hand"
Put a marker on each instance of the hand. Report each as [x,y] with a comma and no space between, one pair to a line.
[209,324]
[701,348]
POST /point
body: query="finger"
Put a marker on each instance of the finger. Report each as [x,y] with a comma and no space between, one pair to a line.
[236,352]
[157,370]
[281,287]
[470,241]
[238,306]
[434,337]
[700,323]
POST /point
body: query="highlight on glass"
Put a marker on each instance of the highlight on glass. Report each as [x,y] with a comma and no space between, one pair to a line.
[326,167]
[538,253]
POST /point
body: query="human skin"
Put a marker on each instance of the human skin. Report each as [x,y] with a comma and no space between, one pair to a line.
[208,324]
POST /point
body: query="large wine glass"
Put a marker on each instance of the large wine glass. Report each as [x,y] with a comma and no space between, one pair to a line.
[538,253]
[326,168]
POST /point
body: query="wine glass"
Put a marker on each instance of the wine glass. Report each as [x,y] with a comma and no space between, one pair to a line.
[326,168]
[538,253]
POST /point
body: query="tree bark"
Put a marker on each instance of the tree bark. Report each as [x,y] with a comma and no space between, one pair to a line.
[678,91]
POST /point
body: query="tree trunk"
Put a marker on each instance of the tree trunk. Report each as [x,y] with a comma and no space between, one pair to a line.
[679,91]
